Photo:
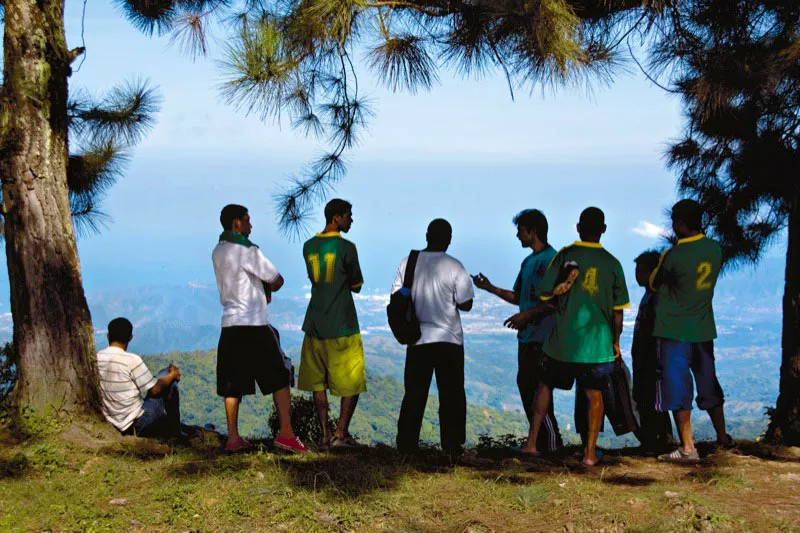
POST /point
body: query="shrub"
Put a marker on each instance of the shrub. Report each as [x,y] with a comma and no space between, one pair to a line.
[305,421]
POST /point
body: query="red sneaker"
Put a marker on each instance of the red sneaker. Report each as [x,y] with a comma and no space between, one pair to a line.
[290,444]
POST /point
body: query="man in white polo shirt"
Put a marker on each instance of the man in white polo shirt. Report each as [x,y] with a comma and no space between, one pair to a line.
[440,290]
[125,380]
[248,351]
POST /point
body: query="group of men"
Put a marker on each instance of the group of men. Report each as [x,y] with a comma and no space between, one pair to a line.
[569,324]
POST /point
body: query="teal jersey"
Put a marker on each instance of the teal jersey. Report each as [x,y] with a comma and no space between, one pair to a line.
[684,282]
[584,317]
[333,269]
[526,290]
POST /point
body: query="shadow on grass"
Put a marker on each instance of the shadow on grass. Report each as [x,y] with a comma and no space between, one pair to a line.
[629,481]
[14,466]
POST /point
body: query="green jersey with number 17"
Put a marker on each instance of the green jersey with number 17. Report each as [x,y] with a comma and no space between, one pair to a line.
[332,265]
[684,282]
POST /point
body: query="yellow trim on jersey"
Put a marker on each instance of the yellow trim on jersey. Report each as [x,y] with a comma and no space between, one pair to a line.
[652,279]
[588,244]
[357,285]
[544,297]
[691,239]
[329,234]
[621,307]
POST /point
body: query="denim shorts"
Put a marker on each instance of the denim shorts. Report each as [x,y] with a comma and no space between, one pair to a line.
[561,375]
[678,361]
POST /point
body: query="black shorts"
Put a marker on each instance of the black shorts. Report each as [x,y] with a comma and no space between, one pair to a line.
[247,355]
[561,375]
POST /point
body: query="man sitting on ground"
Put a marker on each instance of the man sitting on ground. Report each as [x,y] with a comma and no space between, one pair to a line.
[125,380]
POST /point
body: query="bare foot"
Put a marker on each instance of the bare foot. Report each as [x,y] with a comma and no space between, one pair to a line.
[237,444]
[591,461]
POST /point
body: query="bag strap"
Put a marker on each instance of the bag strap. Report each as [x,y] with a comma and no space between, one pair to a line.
[411,265]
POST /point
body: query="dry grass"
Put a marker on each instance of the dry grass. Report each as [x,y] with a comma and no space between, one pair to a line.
[62,483]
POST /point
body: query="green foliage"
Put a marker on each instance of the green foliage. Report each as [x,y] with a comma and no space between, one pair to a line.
[8,374]
[305,422]
[735,64]
[298,57]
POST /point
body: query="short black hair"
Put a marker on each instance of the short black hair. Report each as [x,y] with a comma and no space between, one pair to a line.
[532,219]
[690,213]
[440,232]
[592,221]
[120,330]
[230,213]
[648,259]
[337,206]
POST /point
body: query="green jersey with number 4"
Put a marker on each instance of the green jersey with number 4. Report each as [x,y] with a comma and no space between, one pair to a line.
[332,265]
[684,282]
[583,331]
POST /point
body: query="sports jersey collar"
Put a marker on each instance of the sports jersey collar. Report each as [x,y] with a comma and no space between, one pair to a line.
[329,234]
[588,244]
[691,239]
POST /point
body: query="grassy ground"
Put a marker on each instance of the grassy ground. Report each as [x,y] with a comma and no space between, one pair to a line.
[85,479]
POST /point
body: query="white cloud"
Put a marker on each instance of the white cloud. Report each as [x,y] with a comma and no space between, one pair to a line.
[649,230]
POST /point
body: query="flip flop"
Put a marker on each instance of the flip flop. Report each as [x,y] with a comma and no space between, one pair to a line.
[241,446]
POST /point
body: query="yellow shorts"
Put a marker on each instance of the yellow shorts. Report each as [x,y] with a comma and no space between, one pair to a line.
[333,364]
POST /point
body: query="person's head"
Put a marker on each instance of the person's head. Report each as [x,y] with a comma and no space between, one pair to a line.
[439,234]
[120,330]
[531,223]
[645,264]
[687,218]
[592,224]
[339,213]
[235,218]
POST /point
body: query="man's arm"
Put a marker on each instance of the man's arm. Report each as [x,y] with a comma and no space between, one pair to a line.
[482,282]
[521,319]
[165,381]
[466,306]
[617,331]
[353,269]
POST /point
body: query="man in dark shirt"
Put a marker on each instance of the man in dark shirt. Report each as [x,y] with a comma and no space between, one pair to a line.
[656,430]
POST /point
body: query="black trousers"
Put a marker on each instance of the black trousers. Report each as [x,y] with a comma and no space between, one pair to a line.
[529,374]
[447,361]
[655,427]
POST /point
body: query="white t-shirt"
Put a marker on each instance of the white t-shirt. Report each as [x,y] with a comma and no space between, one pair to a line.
[240,271]
[124,381]
[440,283]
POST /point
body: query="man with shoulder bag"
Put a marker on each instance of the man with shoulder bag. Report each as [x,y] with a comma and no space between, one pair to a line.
[441,289]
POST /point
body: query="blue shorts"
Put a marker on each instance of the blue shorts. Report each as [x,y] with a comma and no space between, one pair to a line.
[677,362]
[561,375]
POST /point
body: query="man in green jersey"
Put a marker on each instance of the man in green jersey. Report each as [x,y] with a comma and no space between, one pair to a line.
[588,324]
[684,328]
[332,356]
[532,233]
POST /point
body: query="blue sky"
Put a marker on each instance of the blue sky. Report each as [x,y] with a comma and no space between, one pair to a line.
[465,152]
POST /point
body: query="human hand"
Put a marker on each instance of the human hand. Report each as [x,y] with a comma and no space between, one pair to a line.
[175,372]
[481,281]
[517,321]
[617,351]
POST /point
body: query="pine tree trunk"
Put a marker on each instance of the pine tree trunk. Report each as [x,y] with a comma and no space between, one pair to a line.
[52,327]
[784,427]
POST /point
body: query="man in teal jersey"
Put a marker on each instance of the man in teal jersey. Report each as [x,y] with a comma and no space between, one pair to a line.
[532,233]
[332,356]
[684,328]
[588,324]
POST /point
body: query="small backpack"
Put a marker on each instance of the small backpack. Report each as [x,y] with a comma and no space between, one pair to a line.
[400,311]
